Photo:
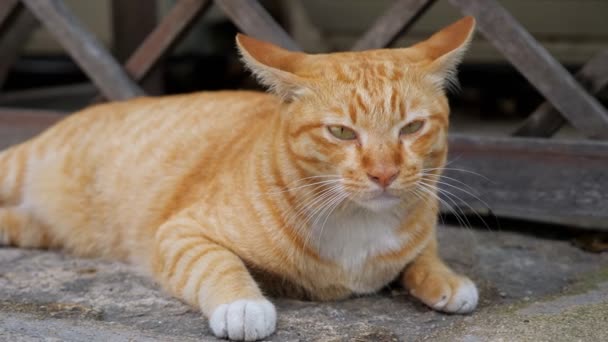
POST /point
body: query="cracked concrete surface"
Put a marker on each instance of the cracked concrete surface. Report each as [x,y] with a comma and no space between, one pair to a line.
[532,289]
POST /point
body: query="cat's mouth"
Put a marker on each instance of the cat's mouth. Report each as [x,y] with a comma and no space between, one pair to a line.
[382,200]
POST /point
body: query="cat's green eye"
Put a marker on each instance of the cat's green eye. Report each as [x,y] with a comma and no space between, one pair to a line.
[342,133]
[412,127]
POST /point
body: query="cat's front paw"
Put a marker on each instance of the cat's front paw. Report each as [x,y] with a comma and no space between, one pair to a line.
[244,320]
[445,291]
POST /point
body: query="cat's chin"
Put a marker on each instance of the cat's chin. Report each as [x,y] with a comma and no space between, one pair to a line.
[381,202]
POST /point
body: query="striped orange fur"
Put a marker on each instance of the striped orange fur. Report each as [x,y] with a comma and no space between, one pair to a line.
[322,189]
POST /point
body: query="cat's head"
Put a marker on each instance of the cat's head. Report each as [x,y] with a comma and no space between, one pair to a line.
[375,120]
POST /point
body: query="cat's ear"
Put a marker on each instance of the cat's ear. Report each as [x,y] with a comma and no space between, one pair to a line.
[273,66]
[446,48]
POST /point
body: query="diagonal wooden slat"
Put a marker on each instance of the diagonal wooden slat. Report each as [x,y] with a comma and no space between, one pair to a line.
[20,26]
[546,120]
[172,27]
[538,66]
[166,34]
[7,7]
[398,18]
[89,53]
[251,18]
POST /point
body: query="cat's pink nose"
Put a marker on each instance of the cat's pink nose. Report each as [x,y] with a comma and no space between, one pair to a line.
[383,177]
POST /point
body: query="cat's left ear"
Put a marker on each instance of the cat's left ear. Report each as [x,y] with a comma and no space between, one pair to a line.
[446,48]
[274,67]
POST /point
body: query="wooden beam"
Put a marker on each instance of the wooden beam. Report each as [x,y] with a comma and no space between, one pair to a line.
[170,30]
[538,179]
[396,20]
[18,125]
[538,66]
[25,97]
[251,18]
[89,53]
[163,38]
[546,120]
[19,27]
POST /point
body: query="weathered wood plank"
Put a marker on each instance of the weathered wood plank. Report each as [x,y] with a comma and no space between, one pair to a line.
[18,125]
[396,20]
[538,66]
[546,120]
[20,26]
[26,97]
[86,50]
[171,28]
[251,18]
[544,180]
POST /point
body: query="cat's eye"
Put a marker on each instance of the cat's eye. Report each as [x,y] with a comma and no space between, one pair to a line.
[412,127]
[342,133]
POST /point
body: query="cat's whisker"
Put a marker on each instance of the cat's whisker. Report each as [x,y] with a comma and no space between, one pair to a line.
[316,213]
[463,190]
[332,206]
[326,206]
[310,196]
[448,194]
[431,191]
[426,200]
[312,177]
[318,201]
[436,191]
[307,203]
[459,170]
[303,186]
[472,193]
[442,176]
[288,189]
[468,225]
[321,208]
[452,198]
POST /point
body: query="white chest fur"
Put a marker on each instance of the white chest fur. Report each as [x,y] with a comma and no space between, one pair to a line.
[350,237]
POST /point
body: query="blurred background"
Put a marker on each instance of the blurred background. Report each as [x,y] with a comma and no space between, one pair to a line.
[494,97]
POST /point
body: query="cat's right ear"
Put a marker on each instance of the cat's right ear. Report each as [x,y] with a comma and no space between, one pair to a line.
[273,66]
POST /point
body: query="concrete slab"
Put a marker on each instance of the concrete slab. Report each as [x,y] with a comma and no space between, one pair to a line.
[532,289]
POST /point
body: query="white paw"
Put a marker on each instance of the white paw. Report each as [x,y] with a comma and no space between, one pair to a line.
[463,301]
[244,320]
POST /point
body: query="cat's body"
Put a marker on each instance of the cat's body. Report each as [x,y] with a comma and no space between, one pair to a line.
[216,193]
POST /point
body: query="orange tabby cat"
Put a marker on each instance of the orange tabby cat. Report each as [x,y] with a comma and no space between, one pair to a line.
[324,189]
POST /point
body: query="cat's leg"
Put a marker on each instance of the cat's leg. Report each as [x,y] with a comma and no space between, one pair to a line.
[18,228]
[435,284]
[208,275]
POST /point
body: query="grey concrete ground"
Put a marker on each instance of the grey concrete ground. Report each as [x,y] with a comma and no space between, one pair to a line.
[532,289]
